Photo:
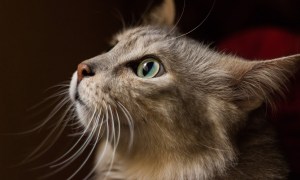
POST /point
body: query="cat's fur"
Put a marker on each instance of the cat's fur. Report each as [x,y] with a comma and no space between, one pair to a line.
[203,119]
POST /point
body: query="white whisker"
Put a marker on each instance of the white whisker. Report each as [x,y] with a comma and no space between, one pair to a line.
[50,116]
[200,24]
[62,84]
[33,155]
[104,149]
[130,123]
[119,127]
[113,141]
[121,18]
[72,158]
[81,149]
[73,147]
[181,15]
[60,93]
[142,17]
[91,151]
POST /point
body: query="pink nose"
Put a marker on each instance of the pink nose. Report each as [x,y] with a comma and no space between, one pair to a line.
[83,70]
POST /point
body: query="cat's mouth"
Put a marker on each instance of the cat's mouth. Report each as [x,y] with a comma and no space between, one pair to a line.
[74,92]
[78,99]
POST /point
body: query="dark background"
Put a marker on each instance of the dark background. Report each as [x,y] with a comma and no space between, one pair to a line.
[42,41]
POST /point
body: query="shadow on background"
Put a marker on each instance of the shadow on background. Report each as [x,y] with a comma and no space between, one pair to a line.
[42,42]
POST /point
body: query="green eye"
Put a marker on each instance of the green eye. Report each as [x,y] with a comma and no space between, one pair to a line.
[149,68]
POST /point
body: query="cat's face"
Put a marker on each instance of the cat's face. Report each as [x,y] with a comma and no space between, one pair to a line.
[168,89]
[164,102]
[171,91]
[118,78]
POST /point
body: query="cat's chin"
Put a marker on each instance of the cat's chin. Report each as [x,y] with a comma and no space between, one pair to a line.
[108,117]
[82,114]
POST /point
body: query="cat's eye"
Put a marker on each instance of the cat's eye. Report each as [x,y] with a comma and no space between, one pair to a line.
[149,68]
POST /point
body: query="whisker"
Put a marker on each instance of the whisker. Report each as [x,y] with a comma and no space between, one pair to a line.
[50,116]
[200,24]
[81,149]
[119,127]
[112,141]
[76,125]
[130,122]
[181,15]
[142,17]
[72,148]
[104,149]
[60,93]
[121,18]
[69,160]
[62,85]
[33,155]
[92,150]
[76,134]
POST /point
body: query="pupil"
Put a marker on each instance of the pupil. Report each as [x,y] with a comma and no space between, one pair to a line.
[147,67]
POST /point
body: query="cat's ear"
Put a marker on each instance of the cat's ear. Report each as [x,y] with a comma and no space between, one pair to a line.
[163,14]
[257,82]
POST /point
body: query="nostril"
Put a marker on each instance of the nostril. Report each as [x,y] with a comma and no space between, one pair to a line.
[84,70]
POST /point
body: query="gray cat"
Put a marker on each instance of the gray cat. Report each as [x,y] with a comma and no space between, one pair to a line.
[164,106]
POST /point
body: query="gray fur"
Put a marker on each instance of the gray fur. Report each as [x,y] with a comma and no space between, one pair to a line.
[203,119]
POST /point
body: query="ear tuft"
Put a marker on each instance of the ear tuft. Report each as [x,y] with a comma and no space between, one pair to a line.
[161,15]
[265,81]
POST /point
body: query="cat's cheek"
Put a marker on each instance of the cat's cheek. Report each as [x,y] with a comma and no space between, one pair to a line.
[73,84]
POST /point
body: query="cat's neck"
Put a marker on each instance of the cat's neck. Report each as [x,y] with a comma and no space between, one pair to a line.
[167,162]
[171,162]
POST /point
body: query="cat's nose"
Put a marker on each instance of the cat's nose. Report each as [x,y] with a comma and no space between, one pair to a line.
[84,70]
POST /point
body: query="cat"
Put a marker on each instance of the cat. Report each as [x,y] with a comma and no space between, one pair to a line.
[164,106]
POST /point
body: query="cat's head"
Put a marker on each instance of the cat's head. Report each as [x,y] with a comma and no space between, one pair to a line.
[172,92]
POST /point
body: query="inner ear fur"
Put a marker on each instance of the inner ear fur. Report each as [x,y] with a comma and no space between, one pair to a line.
[258,82]
[164,14]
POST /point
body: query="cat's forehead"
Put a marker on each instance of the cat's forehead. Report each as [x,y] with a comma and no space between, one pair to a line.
[134,43]
[147,32]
